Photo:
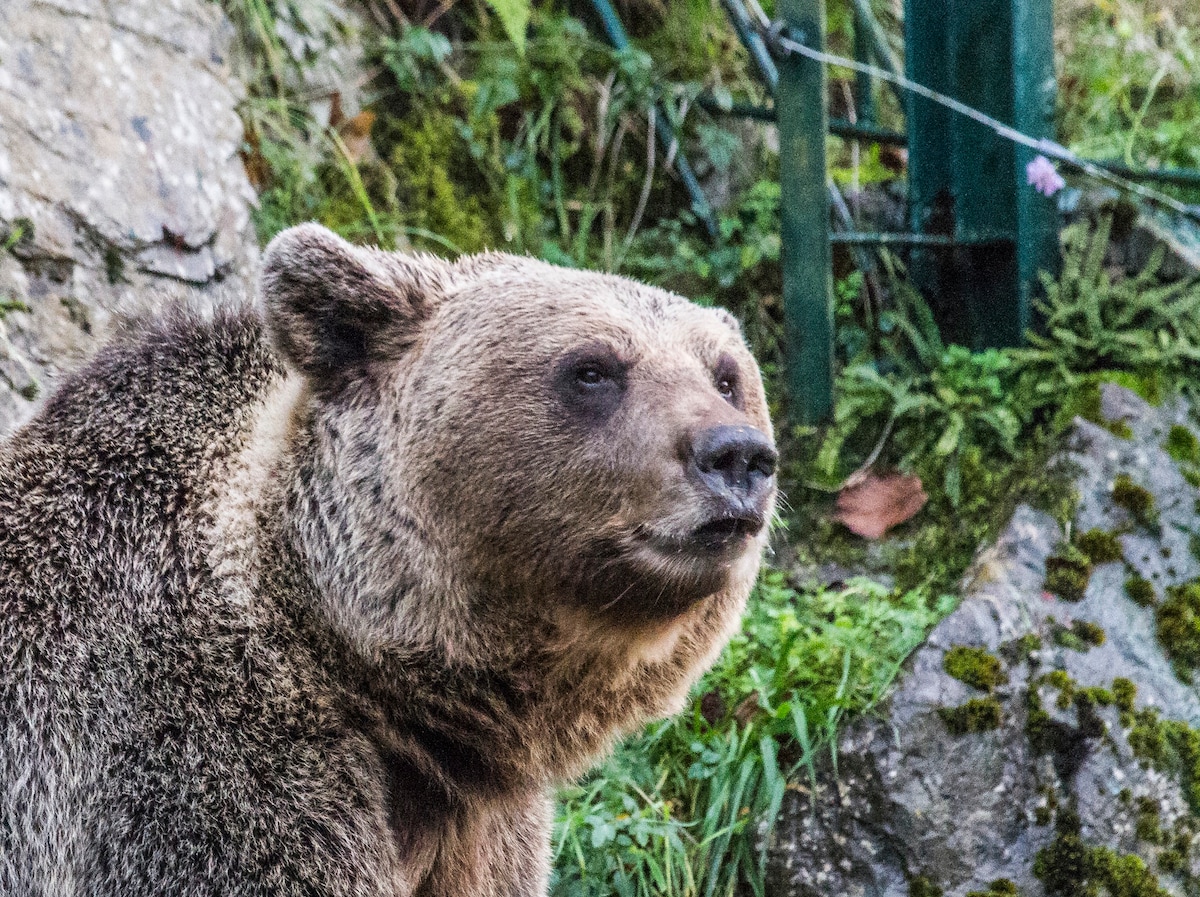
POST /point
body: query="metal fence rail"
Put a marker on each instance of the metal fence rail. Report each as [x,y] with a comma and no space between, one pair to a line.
[979,234]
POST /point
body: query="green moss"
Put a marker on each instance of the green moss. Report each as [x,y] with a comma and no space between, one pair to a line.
[1177,621]
[1065,867]
[1170,746]
[1120,429]
[1149,384]
[433,167]
[1069,867]
[1085,402]
[974,666]
[1099,546]
[1095,695]
[1146,737]
[1140,590]
[1088,632]
[1043,815]
[1191,475]
[1001,887]
[1124,693]
[1135,499]
[1182,445]
[1081,635]
[977,715]
[1059,679]
[1146,825]
[923,886]
[1068,571]
[1172,861]
[1020,650]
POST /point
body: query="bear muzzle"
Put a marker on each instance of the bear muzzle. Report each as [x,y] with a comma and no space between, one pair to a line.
[734,467]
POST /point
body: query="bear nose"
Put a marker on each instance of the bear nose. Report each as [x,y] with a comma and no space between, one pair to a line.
[736,464]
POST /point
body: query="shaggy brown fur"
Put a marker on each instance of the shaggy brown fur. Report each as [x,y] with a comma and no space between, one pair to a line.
[337,625]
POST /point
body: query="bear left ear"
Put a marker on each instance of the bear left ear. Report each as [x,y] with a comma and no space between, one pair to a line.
[332,306]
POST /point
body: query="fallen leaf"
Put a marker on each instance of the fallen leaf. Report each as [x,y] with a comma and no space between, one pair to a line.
[876,503]
[356,136]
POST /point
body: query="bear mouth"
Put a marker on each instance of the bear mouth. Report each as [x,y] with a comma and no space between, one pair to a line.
[718,536]
[725,532]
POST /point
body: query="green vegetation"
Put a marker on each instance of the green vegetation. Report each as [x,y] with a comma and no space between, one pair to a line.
[1001,887]
[977,715]
[1132,79]
[1069,867]
[1081,635]
[1182,445]
[1068,572]
[974,666]
[1135,499]
[923,886]
[690,791]
[1178,625]
[1140,590]
[1099,546]
[1168,745]
[1124,693]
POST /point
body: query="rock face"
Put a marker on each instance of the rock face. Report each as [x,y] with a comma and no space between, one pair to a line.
[119,174]
[1037,769]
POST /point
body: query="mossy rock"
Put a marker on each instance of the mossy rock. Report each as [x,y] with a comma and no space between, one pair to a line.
[976,715]
[1135,499]
[1177,621]
[1100,547]
[1182,445]
[974,666]
[1068,571]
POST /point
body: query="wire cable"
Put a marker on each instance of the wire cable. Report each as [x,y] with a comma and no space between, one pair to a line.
[1049,148]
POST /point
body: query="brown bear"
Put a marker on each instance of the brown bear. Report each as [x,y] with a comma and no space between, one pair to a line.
[325,597]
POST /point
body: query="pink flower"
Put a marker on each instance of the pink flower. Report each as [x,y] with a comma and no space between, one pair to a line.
[1043,176]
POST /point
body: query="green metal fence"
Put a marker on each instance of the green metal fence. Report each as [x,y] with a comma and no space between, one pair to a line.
[979,234]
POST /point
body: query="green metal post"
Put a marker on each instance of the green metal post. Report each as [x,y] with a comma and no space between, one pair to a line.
[968,182]
[807,278]
[930,186]
[864,84]
[1033,113]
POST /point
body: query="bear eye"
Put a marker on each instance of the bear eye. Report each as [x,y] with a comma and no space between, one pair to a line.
[725,379]
[591,381]
[590,375]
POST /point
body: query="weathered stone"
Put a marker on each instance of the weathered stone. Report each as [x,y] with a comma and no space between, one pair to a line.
[119,146]
[964,810]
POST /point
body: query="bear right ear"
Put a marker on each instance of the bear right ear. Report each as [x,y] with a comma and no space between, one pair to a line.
[332,306]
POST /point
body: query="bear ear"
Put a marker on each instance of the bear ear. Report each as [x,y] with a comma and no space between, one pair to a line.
[332,306]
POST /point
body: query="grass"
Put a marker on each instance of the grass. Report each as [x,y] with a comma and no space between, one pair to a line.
[686,807]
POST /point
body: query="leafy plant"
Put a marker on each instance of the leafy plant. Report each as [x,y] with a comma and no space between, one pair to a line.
[936,406]
[687,807]
[1096,322]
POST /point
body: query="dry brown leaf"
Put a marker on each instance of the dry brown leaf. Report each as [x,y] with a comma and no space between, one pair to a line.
[356,136]
[876,503]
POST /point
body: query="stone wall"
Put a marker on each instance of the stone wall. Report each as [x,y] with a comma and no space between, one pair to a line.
[120,179]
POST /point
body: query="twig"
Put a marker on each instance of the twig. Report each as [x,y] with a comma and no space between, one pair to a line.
[647,183]
[865,468]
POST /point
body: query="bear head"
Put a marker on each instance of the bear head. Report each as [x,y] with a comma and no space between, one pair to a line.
[498,446]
